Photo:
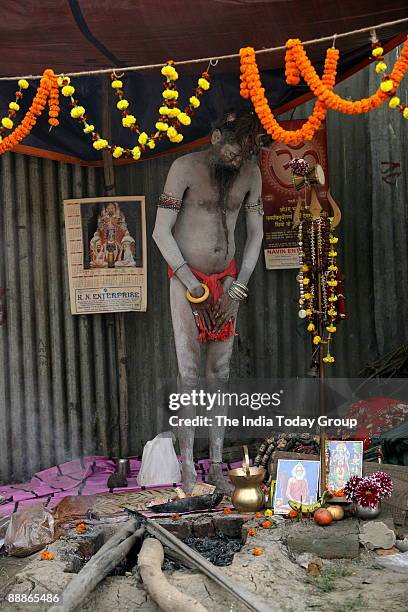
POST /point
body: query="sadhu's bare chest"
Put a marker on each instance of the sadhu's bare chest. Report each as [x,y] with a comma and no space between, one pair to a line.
[204,194]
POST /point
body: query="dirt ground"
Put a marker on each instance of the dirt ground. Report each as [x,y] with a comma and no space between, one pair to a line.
[343,586]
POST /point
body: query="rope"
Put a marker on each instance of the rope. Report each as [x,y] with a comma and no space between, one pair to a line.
[313,41]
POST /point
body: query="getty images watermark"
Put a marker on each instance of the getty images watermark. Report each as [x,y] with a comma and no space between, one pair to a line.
[221,401]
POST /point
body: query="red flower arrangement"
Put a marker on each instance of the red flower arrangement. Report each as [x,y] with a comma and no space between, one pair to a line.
[385,482]
[369,491]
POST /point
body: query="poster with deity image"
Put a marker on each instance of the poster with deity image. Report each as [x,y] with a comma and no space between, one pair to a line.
[280,198]
[296,480]
[106,251]
[344,458]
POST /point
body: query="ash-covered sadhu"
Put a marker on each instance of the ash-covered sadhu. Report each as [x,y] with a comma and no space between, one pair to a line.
[195,225]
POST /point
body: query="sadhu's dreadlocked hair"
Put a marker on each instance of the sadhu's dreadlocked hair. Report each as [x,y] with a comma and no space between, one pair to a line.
[243,127]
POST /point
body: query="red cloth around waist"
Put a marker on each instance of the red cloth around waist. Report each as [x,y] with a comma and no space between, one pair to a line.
[213,282]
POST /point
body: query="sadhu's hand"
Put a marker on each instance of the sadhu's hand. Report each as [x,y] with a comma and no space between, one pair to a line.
[225,309]
[203,310]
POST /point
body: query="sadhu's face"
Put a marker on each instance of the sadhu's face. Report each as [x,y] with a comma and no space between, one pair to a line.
[230,154]
[110,209]
[227,151]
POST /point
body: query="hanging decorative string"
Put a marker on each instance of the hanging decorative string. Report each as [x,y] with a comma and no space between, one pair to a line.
[388,80]
[47,91]
[251,87]
[171,118]
[297,64]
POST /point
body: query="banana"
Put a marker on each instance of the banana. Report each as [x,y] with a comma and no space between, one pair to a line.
[308,508]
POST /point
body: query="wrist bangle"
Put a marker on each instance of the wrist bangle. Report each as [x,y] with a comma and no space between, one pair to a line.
[238,291]
[241,286]
[235,294]
[201,299]
[179,266]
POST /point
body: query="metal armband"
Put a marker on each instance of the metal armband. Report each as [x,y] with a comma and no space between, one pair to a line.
[254,207]
[169,202]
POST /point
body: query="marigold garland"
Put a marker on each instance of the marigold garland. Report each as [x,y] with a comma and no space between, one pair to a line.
[336,102]
[47,90]
[297,64]
[171,118]
[381,67]
[13,108]
[251,87]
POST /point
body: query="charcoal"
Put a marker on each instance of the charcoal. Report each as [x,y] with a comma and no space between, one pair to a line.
[190,504]
[219,550]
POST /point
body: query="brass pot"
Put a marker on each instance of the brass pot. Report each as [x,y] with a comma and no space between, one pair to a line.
[248,495]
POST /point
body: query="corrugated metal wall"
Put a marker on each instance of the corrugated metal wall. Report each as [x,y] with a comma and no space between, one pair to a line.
[57,375]
[58,392]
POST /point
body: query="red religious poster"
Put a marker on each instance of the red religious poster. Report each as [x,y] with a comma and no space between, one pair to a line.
[280,197]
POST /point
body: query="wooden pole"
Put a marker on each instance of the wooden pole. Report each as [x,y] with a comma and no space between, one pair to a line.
[320,331]
[251,600]
[119,317]
[166,595]
[99,566]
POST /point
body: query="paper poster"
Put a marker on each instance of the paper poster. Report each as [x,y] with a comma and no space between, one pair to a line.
[106,251]
[280,197]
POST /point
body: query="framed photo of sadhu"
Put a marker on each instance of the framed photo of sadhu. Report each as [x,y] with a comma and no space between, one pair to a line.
[106,252]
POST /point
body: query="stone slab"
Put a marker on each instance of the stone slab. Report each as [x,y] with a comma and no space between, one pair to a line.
[376,534]
[336,541]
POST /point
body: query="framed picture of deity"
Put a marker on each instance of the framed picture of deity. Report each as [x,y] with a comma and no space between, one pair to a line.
[106,253]
[344,458]
[296,480]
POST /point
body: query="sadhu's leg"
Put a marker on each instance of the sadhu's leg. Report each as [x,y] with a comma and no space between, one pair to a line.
[217,375]
[188,359]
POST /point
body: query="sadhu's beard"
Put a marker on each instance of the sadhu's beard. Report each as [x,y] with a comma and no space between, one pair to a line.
[223,177]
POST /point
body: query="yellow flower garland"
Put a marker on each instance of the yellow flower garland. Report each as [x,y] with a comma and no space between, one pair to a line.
[13,107]
[387,85]
[170,120]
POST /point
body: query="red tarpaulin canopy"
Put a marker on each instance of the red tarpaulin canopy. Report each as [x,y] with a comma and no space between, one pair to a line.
[68,35]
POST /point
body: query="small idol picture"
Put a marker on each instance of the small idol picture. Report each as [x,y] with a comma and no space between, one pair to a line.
[344,459]
[112,234]
[295,481]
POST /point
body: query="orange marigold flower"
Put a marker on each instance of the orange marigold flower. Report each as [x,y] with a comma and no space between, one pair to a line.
[47,556]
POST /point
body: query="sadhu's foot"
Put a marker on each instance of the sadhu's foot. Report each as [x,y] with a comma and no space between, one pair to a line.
[188,477]
[217,478]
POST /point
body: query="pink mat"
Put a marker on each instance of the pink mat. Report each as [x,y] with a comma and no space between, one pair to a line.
[85,476]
